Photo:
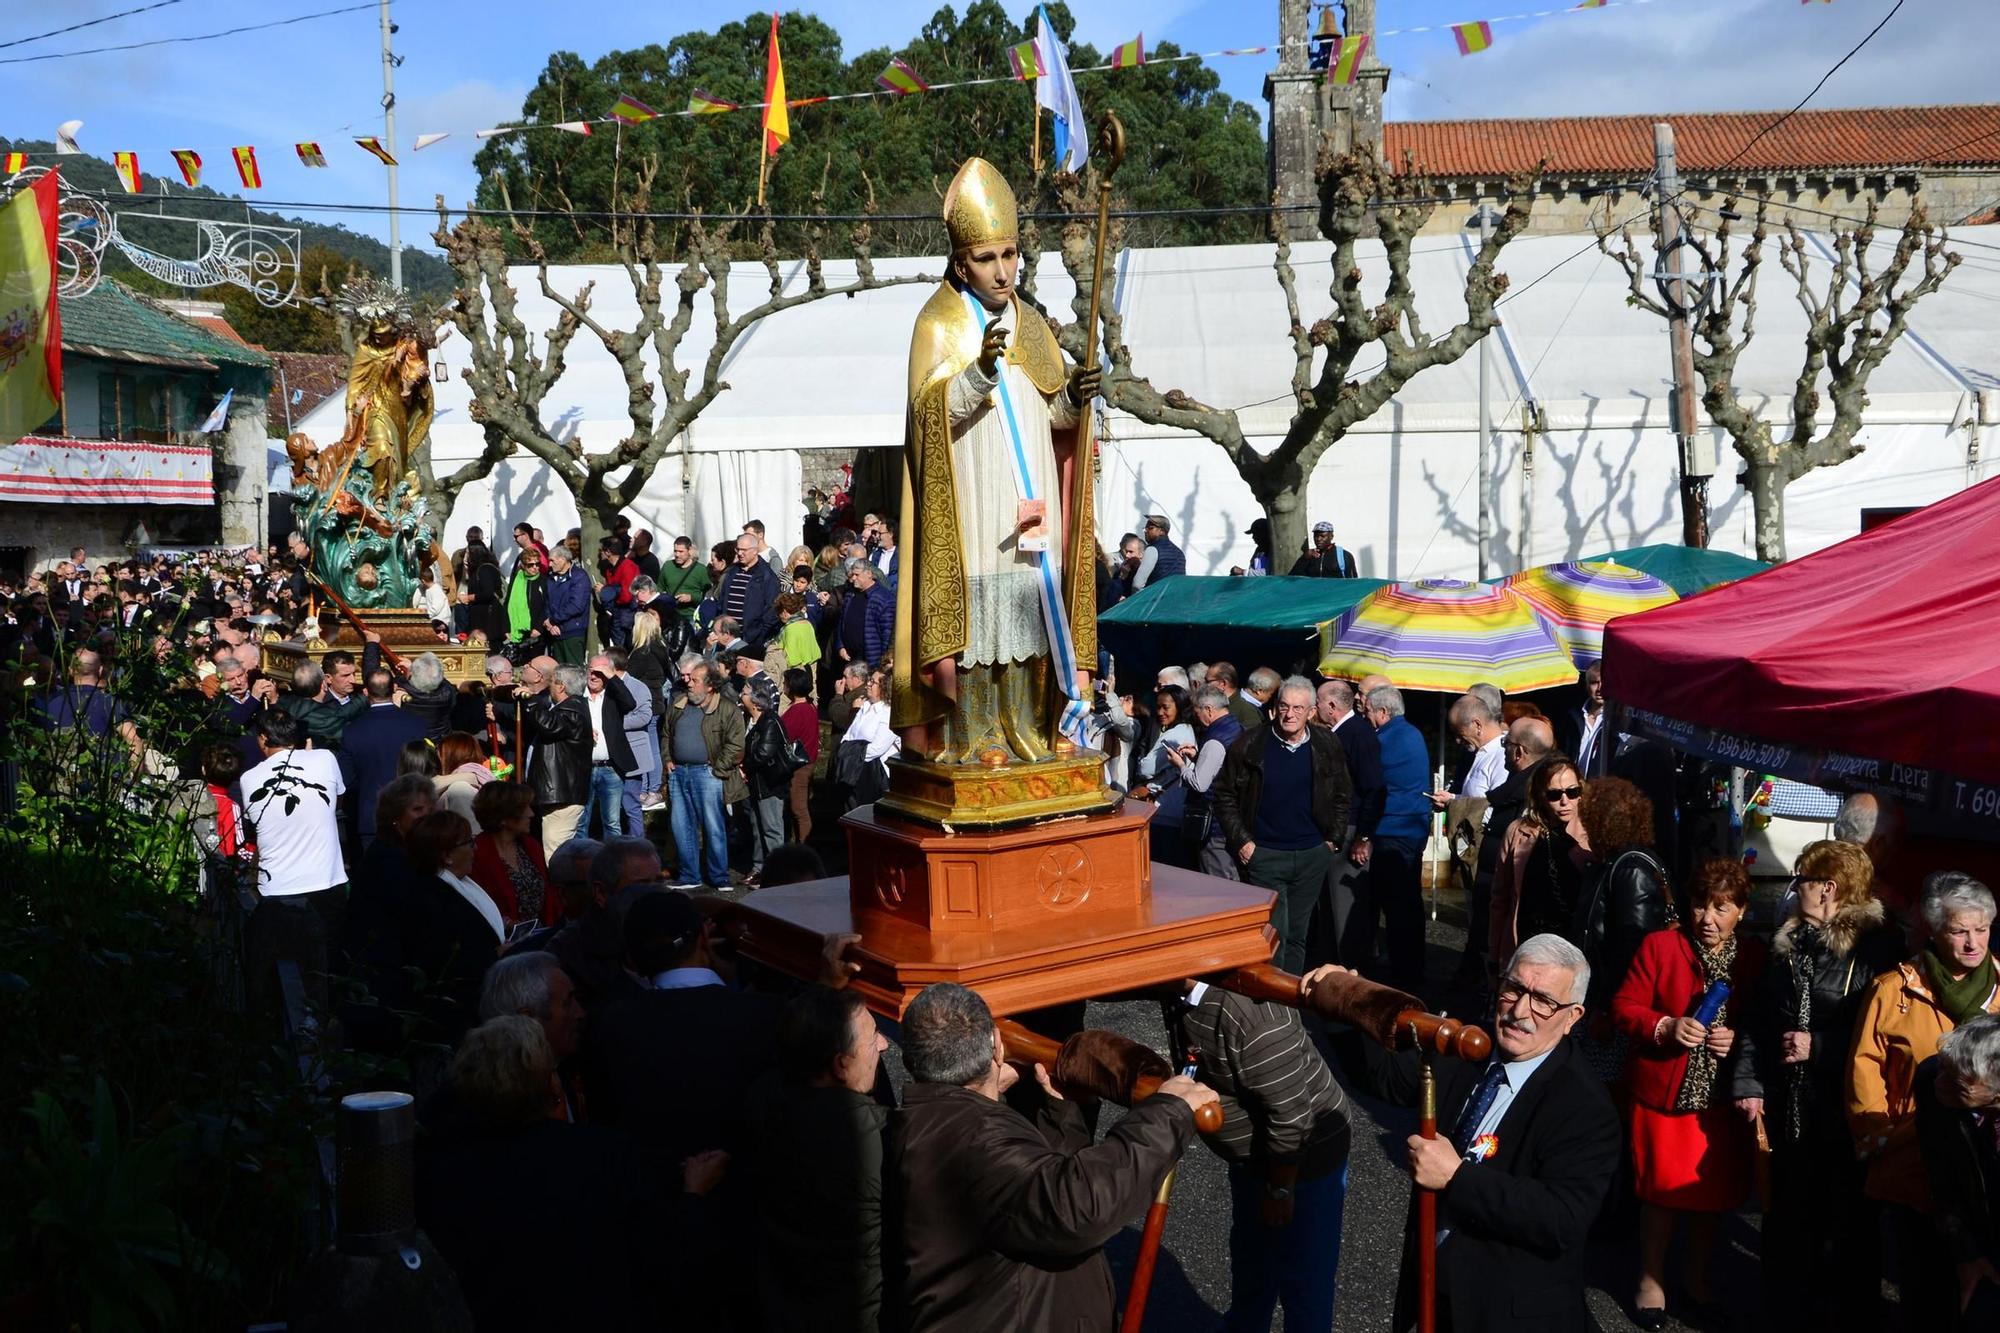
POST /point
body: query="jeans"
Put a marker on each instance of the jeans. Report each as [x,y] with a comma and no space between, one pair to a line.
[767,828]
[301,928]
[700,841]
[1298,878]
[607,797]
[1295,1265]
[635,817]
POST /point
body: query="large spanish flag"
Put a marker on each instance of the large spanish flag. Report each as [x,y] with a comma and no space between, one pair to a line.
[30,319]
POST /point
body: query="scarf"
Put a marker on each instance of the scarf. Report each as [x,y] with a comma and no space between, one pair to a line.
[518,626]
[1698,1083]
[1962,999]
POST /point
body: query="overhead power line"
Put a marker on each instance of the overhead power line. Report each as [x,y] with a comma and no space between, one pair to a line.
[88,23]
[1757,137]
[195,37]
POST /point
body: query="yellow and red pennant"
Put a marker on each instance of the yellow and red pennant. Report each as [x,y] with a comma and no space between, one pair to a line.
[702,102]
[31,338]
[369,143]
[246,167]
[1026,60]
[189,162]
[1130,55]
[631,111]
[127,165]
[310,155]
[16,163]
[1347,63]
[777,112]
[901,80]
[1472,38]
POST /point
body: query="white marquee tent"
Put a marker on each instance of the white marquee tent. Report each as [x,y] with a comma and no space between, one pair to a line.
[1401,489]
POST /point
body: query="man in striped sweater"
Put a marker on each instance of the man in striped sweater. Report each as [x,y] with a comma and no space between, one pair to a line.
[1285,1137]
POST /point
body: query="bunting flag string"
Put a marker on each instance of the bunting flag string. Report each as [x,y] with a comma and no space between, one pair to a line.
[1026,61]
[189,162]
[16,163]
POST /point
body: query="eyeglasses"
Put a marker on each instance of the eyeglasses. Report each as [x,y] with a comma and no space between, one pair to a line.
[1565,793]
[1512,992]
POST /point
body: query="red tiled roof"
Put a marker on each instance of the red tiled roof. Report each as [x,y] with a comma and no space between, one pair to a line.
[1946,136]
[218,326]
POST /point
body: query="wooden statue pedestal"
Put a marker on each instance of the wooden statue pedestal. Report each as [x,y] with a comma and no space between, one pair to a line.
[404,629]
[1032,916]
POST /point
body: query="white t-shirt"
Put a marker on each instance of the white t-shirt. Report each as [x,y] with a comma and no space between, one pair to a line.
[600,752]
[289,800]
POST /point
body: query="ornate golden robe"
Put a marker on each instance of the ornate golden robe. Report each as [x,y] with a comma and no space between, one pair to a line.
[935,612]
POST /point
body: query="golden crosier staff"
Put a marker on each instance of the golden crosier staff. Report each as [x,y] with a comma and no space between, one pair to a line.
[1110,151]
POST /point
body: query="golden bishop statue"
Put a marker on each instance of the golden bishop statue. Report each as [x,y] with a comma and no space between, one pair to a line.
[996,613]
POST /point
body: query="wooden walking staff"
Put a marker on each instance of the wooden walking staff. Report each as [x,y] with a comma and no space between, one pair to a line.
[1396,1020]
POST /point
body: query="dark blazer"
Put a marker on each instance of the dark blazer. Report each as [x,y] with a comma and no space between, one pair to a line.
[816,1172]
[547,1227]
[448,940]
[370,750]
[760,601]
[618,701]
[1240,785]
[1362,750]
[995,1222]
[1519,1221]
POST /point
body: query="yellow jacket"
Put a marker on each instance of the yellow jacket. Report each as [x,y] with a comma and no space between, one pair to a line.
[1899,1028]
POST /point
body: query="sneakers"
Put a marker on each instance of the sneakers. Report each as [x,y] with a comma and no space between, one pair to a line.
[652,800]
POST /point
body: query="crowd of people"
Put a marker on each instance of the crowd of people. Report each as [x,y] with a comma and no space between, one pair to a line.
[465,875]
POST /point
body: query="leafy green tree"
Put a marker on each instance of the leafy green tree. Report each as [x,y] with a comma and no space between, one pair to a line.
[303,326]
[1192,146]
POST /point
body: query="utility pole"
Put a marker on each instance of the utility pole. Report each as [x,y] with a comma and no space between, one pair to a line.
[1485,220]
[389,63]
[1697,456]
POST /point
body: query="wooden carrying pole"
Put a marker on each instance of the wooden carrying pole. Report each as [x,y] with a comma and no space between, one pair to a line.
[1148,1258]
[353,618]
[1033,1048]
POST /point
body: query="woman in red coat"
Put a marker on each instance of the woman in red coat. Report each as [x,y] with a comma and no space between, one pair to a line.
[507,861]
[1691,1149]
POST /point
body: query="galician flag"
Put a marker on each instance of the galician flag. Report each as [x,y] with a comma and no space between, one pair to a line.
[30,318]
[1056,90]
[219,418]
[777,114]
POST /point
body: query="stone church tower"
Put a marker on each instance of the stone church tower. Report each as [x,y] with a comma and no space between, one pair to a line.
[1305,107]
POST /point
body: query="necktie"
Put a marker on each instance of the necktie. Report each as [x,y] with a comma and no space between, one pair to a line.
[1478,1104]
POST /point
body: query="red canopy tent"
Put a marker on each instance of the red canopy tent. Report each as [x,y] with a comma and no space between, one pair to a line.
[1885,647]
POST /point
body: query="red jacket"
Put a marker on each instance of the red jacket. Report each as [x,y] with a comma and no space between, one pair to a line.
[1665,981]
[490,873]
[620,576]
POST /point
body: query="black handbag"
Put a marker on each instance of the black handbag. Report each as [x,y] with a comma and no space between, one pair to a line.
[850,762]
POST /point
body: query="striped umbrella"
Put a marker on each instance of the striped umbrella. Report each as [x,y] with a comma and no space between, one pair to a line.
[1579,598]
[1440,634]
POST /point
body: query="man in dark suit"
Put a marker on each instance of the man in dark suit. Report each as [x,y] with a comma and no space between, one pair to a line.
[372,748]
[1527,1145]
[1584,732]
[1346,884]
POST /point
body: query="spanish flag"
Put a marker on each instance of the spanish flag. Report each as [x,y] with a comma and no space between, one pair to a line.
[777,112]
[128,172]
[310,154]
[31,373]
[702,102]
[374,145]
[1348,63]
[16,163]
[246,167]
[1472,38]
[1130,55]
[1026,60]
[189,162]
[631,110]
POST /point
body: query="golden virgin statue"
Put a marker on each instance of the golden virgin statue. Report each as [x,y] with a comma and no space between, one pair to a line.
[996,629]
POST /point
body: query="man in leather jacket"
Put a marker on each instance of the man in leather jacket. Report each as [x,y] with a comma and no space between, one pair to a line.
[557,724]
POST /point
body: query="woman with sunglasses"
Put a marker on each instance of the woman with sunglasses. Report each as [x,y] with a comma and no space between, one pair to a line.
[1690,1148]
[1539,884]
[1822,1258]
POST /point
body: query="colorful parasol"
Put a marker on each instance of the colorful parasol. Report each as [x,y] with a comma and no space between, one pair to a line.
[1578,598]
[1440,634]
[1686,569]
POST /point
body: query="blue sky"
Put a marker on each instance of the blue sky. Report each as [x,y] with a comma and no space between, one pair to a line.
[467,65]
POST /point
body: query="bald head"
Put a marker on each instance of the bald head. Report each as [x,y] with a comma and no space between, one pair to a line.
[1529,740]
[1374,682]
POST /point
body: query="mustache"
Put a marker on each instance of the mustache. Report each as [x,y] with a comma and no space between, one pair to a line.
[1515,1023]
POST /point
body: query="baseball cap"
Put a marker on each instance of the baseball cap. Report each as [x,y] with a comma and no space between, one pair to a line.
[1322,526]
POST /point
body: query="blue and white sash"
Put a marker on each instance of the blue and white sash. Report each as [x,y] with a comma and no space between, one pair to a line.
[1055,616]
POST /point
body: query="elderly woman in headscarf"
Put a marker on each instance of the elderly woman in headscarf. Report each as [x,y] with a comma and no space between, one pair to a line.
[1905,1014]
[1822,1262]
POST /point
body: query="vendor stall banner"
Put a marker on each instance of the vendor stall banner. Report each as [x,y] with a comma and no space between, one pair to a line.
[30,317]
[62,471]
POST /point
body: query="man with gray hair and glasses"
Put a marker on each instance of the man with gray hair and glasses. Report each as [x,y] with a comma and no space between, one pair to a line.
[1528,1144]
[534,985]
[1282,801]
[997,1222]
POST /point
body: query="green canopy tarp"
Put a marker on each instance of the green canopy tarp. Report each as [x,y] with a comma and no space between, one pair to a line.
[1686,569]
[1272,621]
